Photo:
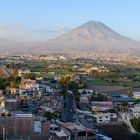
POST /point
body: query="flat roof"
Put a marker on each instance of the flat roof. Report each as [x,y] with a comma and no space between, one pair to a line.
[136,93]
[75,127]
[61,134]
[122,99]
[103,114]
[11,100]
[23,115]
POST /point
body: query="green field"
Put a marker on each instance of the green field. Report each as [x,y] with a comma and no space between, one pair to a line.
[105,83]
[100,83]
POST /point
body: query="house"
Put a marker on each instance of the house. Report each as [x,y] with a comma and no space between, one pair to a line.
[86,91]
[75,131]
[101,105]
[4,112]
[24,126]
[136,95]
[49,89]
[9,104]
[14,90]
[121,99]
[135,110]
[84,99]
[85,95]
[23,72]
[29,85]
[61,135]
[105,117]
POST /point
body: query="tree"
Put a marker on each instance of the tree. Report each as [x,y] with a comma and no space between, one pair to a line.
[48,115]
[130,92]
[92,73]
[98,97]
[136,124]
[7,66]
[72,85]
[65,81]
[30,76]
[15,72]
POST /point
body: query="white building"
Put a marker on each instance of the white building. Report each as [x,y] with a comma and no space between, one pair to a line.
[105,117]
[32,85]
[84,99]
[37,127]
[85,91]
[136,95]
[49,89]
[136,110]
[23,72]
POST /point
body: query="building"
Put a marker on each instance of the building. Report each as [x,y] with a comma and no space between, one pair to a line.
[9,104]
[76,132]
[84,99]
[101,106]
[105,117]
[135,110]
[86,91]
[23,72]
[25,127]
[48,89]
[121,99]
[29,85]
[14,90]
[136,95]
[85,95]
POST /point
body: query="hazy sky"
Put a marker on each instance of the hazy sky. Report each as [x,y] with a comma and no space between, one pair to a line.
[43,19]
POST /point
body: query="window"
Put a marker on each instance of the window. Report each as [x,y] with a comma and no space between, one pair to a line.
[82,133]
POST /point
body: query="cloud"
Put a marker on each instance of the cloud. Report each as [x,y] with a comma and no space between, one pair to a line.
[21,32]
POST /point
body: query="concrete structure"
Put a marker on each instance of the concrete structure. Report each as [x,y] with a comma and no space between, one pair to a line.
[136,95]
[23,72]
[85,91]
[77,132]
[23,127]
[9,104]
[29,85]
[85,95]
[83,99]
[48,89]
[14,90]
[101,106]
[105,117]
[135,110]
[121,99]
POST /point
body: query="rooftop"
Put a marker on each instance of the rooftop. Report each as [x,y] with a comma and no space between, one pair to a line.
[23,115]
[122,99]
[11,100]
[75,127]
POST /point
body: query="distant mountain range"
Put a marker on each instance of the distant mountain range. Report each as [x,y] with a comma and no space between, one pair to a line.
[90,37]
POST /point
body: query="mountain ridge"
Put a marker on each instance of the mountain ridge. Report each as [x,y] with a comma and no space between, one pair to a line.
[92,36]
